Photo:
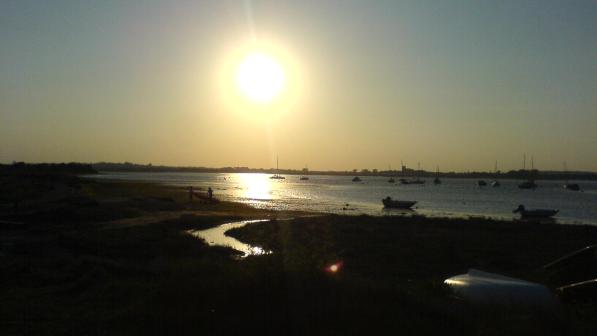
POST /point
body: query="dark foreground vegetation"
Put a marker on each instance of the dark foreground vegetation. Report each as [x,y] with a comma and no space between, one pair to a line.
[113,258]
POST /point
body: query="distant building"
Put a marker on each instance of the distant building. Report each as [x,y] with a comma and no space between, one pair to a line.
[406,170]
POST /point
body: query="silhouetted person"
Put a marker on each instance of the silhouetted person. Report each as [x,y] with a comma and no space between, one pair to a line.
[210,193]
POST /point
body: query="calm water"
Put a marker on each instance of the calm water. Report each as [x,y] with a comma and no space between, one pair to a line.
[454,197]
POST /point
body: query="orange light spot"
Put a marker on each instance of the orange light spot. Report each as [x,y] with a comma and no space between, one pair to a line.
[334,268]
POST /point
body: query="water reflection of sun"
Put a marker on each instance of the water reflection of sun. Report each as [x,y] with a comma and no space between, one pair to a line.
[255,186]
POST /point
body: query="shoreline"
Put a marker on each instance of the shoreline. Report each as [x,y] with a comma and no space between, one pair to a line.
[359,207]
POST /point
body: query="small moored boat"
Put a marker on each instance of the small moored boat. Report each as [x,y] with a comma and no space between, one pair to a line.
[481,183]
[436,180]
[530,184]
[388,202]
[536,213]
[570,186]
[415,181]
[356,179]
[276,176]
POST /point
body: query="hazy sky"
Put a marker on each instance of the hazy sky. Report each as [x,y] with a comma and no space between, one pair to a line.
[457,84]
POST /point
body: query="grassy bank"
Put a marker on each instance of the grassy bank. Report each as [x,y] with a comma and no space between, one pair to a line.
[114,258]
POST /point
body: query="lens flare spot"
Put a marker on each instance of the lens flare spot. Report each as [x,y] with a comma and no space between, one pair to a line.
[334,268]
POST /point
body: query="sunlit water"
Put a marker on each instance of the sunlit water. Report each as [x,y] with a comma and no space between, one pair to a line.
[338,194]
[217,236]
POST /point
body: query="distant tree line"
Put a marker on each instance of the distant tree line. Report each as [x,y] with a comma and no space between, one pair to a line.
[513,174]
[32,169]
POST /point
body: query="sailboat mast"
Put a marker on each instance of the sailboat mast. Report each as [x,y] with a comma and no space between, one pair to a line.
[524,161]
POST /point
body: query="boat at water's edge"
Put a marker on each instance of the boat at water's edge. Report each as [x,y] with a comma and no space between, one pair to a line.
[388,202]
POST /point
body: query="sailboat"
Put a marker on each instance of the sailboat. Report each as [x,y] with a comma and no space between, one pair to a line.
[570,186]
[305,178]
[495,182]
[391,180]
[436,180]
[529,183]
[416,180]
[276,176]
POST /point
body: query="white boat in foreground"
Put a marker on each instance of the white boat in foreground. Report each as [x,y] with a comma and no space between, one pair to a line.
[483,288]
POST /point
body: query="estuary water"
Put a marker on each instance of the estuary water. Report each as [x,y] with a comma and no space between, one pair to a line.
[338,194]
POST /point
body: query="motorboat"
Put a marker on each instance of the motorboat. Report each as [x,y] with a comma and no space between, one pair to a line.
[304,178]
[481,183]
[536,213]
[388,202]
[356,179]
[415,181]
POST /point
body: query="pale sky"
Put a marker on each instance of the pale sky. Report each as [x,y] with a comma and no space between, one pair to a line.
[459,84]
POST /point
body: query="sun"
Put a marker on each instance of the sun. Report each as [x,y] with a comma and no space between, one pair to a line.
[260,77]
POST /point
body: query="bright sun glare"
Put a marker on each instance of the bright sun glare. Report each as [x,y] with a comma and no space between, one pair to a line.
[260,77]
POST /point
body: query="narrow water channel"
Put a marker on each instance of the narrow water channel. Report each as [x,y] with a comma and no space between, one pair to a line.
[216,236]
